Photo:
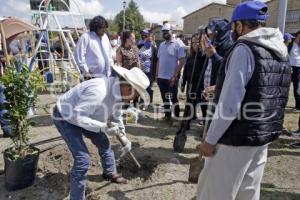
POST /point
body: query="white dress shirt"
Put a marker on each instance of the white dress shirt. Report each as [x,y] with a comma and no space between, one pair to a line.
[92,103]
[94,55]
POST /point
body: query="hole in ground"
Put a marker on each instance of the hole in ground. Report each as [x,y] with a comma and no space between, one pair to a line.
[129,169]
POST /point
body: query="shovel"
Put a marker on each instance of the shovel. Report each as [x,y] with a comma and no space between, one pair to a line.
[197,163]
[130,153]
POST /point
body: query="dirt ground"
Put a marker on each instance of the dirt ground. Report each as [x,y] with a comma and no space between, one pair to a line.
[164,174]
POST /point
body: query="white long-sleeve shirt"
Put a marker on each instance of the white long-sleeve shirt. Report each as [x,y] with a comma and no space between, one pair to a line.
[94,55]
[92,103]
[295,55]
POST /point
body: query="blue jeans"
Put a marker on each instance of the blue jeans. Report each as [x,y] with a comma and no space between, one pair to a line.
[165,90]
[73,136]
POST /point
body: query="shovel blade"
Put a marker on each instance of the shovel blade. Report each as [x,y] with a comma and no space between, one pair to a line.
[179,142]
[196,167]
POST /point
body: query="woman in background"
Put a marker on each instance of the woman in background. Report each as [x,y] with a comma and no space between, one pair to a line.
[191,75]
[148,59]
[128,53]
[114,47]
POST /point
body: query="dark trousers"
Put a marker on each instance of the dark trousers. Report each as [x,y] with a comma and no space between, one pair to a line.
[149,89]
[169,93]
[203,107]
[295,80]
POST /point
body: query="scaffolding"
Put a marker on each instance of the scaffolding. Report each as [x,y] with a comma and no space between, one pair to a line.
[58,27]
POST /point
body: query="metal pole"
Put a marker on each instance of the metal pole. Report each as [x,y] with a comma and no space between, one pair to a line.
[4,44]
[282,15]
[124,6]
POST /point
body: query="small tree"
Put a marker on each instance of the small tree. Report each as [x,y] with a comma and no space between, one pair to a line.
[134,20]
[113,28]
[21,92]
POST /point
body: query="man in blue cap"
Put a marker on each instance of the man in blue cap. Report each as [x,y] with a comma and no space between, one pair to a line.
[251,92]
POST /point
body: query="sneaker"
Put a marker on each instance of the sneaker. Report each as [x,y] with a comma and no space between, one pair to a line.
[296,133]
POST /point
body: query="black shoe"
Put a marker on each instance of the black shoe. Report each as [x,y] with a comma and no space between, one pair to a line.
[5,135]
[296,133]
[296,145]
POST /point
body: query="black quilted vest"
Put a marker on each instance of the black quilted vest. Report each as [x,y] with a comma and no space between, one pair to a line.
[268,87]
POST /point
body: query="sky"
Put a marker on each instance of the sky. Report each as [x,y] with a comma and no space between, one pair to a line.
[154,11]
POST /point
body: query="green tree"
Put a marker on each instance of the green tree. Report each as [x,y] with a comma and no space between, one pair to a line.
[134,21]
[113,28]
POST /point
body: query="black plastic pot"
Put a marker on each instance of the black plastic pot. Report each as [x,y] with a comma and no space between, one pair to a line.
[20,173]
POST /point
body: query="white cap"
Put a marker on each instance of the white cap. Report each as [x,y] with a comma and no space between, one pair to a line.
[166,27]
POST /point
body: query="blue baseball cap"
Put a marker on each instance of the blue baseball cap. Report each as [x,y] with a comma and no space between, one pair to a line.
[288,36]
[250,10]
[218,24]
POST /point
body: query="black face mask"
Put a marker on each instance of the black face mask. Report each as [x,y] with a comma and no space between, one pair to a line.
[167,36]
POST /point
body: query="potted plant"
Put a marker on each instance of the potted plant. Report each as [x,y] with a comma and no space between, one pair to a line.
[20,93]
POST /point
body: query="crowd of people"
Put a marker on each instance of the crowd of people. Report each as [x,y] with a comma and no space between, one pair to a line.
[239,71]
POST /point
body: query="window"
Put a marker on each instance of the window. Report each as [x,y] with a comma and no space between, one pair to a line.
[54,5]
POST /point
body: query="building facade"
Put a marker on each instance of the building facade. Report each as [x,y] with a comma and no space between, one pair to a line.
[202,16]
[192,21]
[292,24]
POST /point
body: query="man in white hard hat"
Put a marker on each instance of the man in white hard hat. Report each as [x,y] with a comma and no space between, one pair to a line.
[93,109]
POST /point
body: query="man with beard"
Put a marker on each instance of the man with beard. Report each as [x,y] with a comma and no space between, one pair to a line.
[171,58]
[251,92]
